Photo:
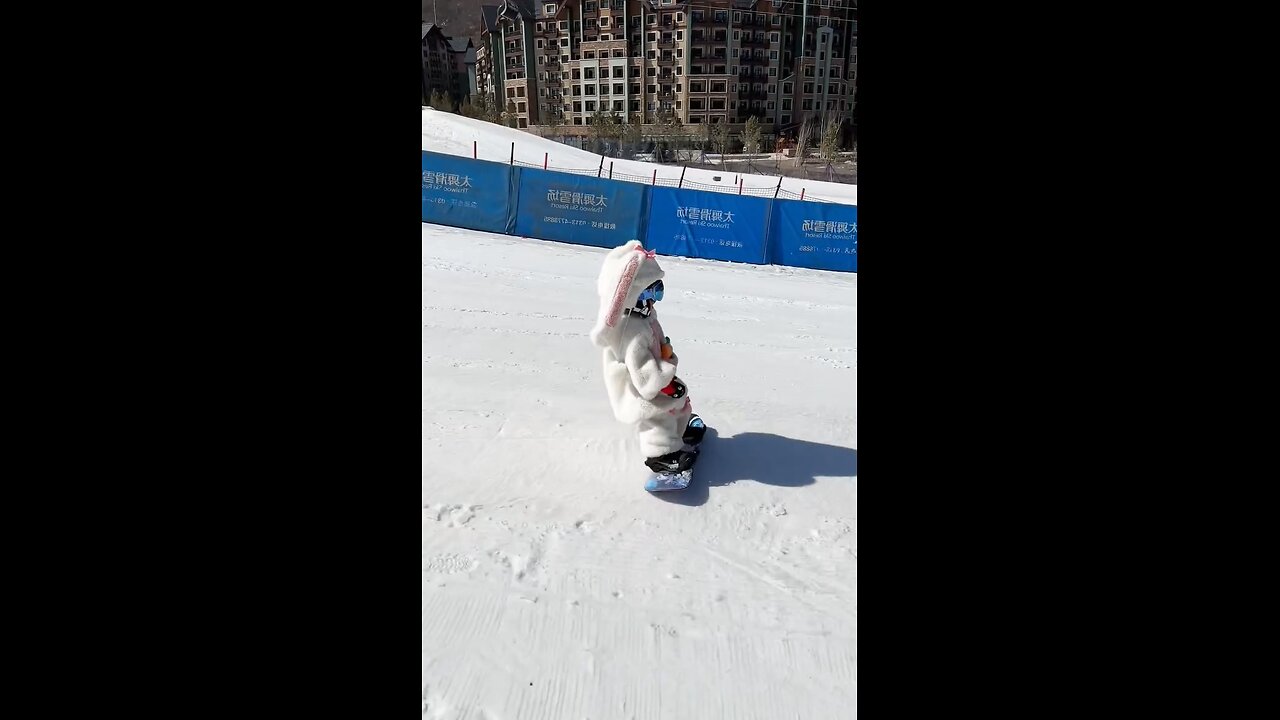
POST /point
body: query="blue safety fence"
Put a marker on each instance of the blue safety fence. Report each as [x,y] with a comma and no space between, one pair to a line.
[467,193]
[814,235]
[579,209]
[585,210]
[709,225]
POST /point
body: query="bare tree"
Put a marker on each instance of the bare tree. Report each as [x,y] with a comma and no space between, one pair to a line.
[804,138]
[829,145]
[720,137]
[751,136]
[632,135]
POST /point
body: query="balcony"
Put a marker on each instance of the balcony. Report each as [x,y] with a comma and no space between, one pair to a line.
[762,41]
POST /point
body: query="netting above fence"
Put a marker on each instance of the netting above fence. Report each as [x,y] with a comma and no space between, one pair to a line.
[605,171]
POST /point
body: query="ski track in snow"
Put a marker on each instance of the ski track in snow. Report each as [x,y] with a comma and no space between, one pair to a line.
[553,586]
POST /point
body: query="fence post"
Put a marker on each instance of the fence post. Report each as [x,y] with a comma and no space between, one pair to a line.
[655,177]
[473,149]
[513,152]
[801,193]
[686,167]
[775,190]
[610,169]
[601,168]
[740,185]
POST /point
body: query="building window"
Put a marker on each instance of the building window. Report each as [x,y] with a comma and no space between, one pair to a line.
[617,88]
[773,37]
[550,8]
[718,87]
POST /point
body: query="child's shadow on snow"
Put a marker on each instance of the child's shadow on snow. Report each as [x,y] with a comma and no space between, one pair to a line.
[763,458]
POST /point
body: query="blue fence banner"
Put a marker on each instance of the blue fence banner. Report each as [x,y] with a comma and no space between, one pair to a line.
[580,209]
[468,193]
[823,236]
[711,225]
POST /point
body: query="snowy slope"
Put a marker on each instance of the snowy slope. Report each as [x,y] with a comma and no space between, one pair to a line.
[553,586]
[453,135]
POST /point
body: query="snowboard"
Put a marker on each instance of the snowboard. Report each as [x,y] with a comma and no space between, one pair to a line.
[665,481]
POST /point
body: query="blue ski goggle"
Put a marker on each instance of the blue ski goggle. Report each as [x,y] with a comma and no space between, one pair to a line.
[653,292]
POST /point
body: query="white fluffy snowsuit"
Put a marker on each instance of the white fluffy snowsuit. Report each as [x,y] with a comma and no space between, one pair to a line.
[634,371]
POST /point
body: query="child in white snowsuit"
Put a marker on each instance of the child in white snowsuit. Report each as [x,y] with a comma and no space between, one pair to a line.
[639,367]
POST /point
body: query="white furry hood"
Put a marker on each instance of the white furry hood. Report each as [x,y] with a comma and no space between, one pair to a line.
[628,270]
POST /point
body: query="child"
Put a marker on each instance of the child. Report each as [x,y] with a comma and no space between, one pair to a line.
[639,367]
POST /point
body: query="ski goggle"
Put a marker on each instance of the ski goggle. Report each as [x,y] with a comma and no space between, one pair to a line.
[653,292]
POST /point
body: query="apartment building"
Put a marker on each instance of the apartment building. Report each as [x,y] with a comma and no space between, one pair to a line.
[448,64]
[694,61]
